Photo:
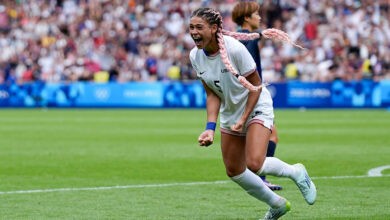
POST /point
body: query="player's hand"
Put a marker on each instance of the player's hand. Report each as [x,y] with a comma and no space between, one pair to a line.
[238,127]
[206,138]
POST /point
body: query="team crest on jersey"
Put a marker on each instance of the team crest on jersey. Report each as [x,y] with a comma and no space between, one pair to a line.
[224,70]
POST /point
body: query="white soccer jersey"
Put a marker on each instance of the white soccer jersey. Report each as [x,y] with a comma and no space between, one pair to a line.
[226,86]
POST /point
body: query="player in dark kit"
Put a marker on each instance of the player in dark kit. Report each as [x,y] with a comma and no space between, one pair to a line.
[246,15]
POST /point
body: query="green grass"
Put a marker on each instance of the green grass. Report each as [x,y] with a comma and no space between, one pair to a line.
[52,149]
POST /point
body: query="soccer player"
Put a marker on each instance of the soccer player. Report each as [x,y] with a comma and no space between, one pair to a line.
[233,88]
[246,15]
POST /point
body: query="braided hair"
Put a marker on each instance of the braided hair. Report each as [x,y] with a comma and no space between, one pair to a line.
[212,16]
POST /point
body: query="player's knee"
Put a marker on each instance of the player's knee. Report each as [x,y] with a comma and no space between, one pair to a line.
[234,171]
[254,165]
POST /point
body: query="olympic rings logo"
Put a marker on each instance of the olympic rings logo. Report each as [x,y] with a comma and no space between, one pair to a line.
[102,93]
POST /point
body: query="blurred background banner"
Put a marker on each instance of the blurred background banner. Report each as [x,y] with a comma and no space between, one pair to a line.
[309,94]
[293,94]
[129,53]
[385,92]
[118,95]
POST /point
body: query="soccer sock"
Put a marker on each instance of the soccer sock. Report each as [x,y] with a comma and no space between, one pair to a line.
[252,184]
[270,153]
[271,149]
[275,167]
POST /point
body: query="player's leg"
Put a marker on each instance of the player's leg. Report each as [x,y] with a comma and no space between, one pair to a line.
[256,147]
[297,172]
[233,152]
[273,141]
[257,136]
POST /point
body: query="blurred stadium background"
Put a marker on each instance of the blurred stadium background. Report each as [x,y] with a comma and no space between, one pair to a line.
[64,157]
[136,53]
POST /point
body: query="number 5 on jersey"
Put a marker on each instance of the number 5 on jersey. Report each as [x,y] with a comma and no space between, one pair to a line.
[216,83]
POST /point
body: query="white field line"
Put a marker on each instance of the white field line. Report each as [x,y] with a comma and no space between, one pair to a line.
[164,185]
[377,171]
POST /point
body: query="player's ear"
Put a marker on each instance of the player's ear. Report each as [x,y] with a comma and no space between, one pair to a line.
[214,28]
[247,18]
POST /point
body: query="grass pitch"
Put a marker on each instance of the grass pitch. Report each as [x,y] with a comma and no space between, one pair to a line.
[73,152]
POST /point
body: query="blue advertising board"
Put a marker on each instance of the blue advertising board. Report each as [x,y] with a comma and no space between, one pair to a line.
[338,94]
[278,92]
[308,94]
[4,95]
[356,94]
[118,95]
[145,95]
[384,94]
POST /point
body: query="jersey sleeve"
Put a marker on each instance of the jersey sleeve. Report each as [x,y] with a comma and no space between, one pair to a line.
[243,60]
[193,63]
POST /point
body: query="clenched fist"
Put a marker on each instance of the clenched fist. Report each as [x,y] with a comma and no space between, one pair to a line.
[206,138]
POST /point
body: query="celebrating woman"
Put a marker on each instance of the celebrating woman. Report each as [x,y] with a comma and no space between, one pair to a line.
[233,87]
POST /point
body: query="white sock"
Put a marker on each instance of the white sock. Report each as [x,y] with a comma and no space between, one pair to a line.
[275,167]
[254,186]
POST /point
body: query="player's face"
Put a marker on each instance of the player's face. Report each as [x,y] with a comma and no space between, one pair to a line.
[254,20]
[202,33]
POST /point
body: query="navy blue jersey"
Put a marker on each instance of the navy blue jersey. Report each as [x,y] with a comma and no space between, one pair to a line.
[253,48]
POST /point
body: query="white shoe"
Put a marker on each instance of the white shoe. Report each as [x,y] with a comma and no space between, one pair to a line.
[275,213]
[304,183]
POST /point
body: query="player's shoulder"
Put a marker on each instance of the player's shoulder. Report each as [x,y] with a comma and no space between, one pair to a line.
[193,53]
[232,44]
[231,41]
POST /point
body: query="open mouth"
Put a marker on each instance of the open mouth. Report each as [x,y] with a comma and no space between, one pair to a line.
[197,40]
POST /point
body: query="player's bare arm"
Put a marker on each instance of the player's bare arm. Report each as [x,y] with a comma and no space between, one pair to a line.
[213,103]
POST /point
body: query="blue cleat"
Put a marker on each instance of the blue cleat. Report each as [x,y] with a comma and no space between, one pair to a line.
[273,187]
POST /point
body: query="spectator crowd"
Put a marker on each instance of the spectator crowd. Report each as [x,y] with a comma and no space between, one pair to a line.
[148,40]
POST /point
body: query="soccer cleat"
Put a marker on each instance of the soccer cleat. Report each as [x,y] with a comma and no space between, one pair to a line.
[275,213]
[273,187]
[304,183]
